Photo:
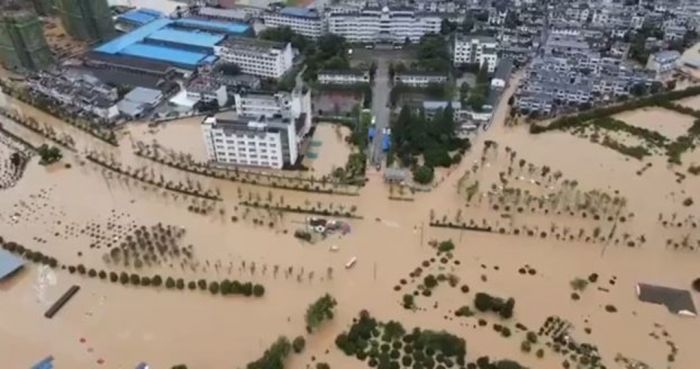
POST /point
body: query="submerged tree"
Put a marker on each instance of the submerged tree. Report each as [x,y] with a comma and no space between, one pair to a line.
[319,311]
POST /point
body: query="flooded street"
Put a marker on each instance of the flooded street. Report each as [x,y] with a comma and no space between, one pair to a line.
[78,214]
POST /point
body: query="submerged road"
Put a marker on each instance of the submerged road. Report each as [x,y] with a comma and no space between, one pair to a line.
[380,109]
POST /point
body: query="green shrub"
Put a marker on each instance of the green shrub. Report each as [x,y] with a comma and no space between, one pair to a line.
[214,287]
[446,246]
[258,290]
[298,344]
[319,311]
[423,174]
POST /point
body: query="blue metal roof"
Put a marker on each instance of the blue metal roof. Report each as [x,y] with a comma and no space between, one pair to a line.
[180,41]
[191,38]
[47,363]
[140,16]
[183,58]
[210,59]
[9,263]
[231,28]
[116,45]
[296,11]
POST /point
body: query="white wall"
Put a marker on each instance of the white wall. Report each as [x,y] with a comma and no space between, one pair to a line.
[165,6]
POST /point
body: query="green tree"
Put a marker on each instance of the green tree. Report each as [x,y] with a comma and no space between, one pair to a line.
[506,311]
[423,174]
[286,34]
[49,155]
[298,344]
[214,287]
[157,280]
[273,357]
[430,281]
[319,311]
[258,290]
[170,283]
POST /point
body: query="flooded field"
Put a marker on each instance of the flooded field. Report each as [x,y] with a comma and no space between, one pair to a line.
[691,102]
[80,213]
[184,135]
[669,123]
[328,149]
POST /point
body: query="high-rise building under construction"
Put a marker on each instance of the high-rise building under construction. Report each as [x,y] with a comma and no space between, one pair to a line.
[22,41]
[87,20]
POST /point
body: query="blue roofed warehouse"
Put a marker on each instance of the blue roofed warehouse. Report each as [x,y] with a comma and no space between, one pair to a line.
[183,43]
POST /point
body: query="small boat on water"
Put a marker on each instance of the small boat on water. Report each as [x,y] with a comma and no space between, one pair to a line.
[351,262]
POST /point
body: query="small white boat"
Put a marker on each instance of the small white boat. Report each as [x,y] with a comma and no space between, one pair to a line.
[351,262]
[335,248]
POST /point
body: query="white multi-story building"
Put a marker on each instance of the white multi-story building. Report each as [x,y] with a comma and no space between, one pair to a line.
[257,57]
[266,130]
[207,89]
[476,50]
[420,79]
[663,62]
[372,24]
[231,139]
[304,21]
[343,77]
[258,103]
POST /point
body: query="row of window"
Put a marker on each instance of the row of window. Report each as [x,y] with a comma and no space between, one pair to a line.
[241,144]
[262,163]
[242,154]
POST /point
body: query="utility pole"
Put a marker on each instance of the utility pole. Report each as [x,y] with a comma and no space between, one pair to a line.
[422,227]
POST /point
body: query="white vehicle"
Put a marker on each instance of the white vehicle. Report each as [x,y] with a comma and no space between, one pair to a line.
[351,262]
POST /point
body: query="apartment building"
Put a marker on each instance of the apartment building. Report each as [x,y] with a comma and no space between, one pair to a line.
[295,104]
[663,62]
[382,25]
[541,103]
[257,57]
[266,129]
[343,77]
[232,139]
[304,21]
[476,50]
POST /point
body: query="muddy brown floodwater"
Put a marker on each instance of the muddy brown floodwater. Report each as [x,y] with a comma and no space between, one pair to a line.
[64,211]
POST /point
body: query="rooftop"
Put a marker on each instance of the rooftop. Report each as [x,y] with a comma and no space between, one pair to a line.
[143,95]
[9,264]
[252,44]
[118,44]
[180,35]
[94,58]
[437,104]
[479,38]
[667,56]
[503,69]
[421,73]
[186,37]
[203,84]
[224,13]
[231,28]
[294,11]
[140,16]
[180,57]
[353,72]
[676,301]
